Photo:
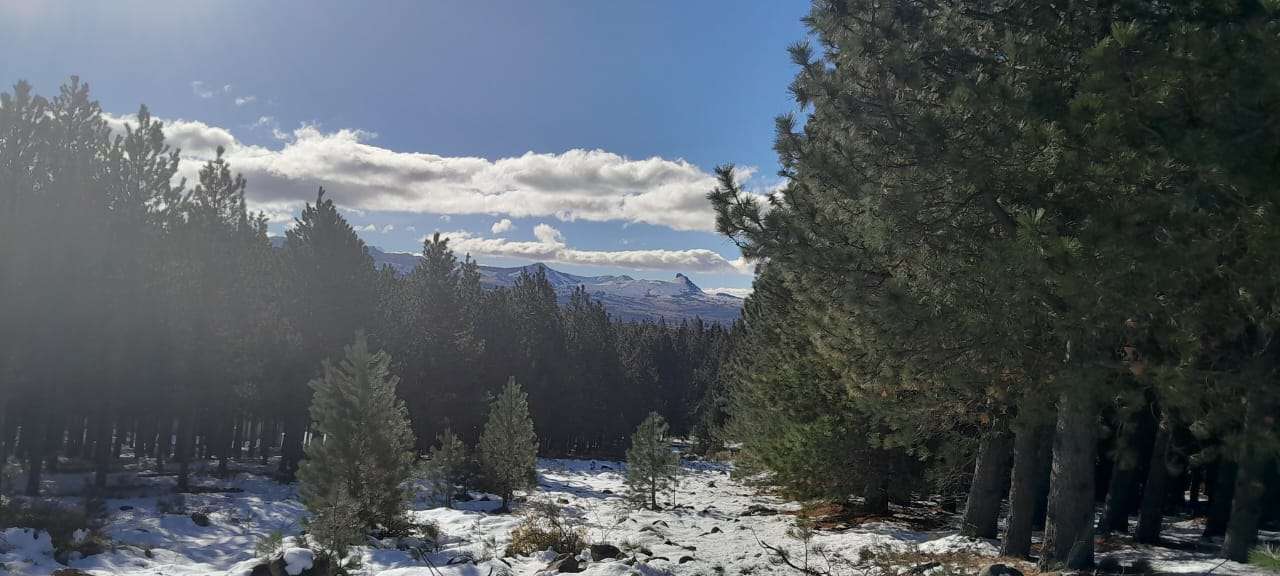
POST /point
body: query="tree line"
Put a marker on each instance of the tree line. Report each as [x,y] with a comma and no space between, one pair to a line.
[144,316]
[1025,250]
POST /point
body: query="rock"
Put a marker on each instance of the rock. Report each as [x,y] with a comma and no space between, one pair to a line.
[662,523]
[758,510]
[460,560]
[200,519]
[126,508]
[715,530]
[602,551]
[70,572]
[606,491]
[711,484]
[606,467]
[684,559]
[998,569]
[564,564]
[925,568]
[562,500]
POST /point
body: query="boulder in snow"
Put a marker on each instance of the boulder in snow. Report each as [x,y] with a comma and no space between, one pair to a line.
[998,569]
[564,564]
[604,551]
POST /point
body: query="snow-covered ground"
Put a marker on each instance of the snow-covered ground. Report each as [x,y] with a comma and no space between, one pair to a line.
[711,525]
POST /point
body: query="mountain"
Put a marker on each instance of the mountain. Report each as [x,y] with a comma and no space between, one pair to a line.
[625,298]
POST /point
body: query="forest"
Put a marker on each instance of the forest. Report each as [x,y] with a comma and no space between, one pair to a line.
[1023,267]
[143,311]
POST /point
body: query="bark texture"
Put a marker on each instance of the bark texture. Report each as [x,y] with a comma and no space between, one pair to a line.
[1068,535]
[1153,491]
[1032,448]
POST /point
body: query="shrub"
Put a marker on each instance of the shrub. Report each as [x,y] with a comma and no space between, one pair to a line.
[70,529]
[1266,556]
[175,504]
[509,446]
[447,468]
[544,527]
[651,465]
[335,525]
[270,545]
[367,452]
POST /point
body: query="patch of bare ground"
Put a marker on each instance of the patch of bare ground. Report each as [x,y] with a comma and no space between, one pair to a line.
[838,516]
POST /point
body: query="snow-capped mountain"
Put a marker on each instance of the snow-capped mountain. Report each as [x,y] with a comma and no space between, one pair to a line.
[624,297]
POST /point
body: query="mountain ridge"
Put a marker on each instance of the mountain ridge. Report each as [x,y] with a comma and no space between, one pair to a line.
[624,297]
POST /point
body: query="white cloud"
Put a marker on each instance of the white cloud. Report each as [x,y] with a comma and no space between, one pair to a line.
[199,89]
[388,228]
[550,247]
[242,100]
[503,225]
[739,292]
[593,185]
[411,229]
[445,218]
[547,235]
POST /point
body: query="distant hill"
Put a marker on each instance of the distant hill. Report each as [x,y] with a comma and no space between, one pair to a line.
[625,298]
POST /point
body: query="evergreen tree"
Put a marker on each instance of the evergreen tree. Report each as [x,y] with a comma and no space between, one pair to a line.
[447,468]
[331,295]
[652,466]
[509,446]
[364,453]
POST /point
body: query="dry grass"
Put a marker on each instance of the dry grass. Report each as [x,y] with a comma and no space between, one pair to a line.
[543,528]
[836,516]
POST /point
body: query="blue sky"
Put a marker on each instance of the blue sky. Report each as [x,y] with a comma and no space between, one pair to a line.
[592,127]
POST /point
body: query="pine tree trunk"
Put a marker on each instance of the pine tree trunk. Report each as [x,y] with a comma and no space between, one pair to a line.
[117,443]
[1224,487]
[1193,491]
[8,437]
[1115,515]
[986,492]
[1153,491]
[183,453]
[55,439]
[291,448]
[33,440]
[875,497]
[1133,438]
[1032,449]
[102,446]
[1246,504]
[1068,536]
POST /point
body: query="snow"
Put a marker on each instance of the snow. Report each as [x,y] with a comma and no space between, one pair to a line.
[956,543]
[701,522]
[298,559]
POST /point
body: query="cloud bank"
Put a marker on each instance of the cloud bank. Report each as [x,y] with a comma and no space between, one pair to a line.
[550,247]
[593,185]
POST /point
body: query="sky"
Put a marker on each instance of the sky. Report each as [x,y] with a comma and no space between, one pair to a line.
[580,134]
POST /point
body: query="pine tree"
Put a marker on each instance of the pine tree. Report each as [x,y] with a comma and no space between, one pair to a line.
[364,449]
[447,467]
[331,295]
[651,464]
[509,446]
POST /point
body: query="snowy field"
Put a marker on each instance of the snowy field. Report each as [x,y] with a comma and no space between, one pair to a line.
[712,525]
